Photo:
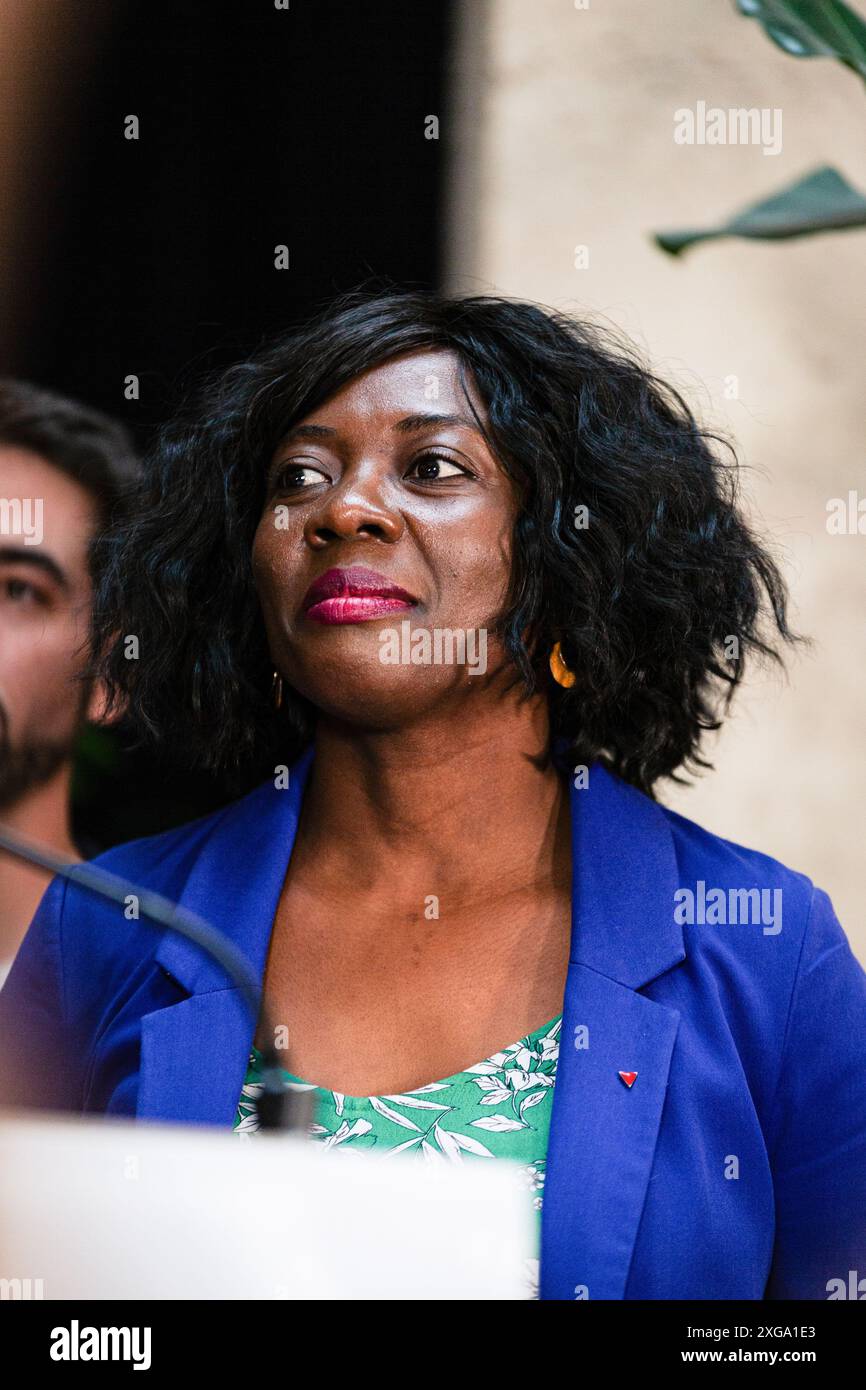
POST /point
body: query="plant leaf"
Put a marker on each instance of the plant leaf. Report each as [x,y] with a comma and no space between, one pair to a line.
[820,202]
[812,29]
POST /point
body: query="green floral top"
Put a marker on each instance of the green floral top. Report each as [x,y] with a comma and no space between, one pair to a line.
[498,1108]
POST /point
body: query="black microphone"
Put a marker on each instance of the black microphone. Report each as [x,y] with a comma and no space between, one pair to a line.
[277,1107]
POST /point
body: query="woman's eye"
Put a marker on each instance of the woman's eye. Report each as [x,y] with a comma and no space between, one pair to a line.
[297,475]
[431,467]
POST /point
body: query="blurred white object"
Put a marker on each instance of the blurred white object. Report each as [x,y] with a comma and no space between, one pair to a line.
[113,1209]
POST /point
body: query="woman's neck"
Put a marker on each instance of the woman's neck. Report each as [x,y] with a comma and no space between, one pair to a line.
[476,804]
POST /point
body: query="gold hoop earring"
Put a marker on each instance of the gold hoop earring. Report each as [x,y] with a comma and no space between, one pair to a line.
[277,690]
[559,670]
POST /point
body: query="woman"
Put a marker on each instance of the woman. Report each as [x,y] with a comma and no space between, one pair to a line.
[480,582]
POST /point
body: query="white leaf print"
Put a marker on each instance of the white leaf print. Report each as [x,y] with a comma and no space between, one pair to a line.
[433,1155]
[531,1100]
[501,1124]
[413,1104]
[483,1069]
[358,1127]
[518,1079]
[472,1146]
[541,1078]
[347,1131]
[385,1110]
[407,1144]
[339,1098]
[248,1125]
[489,1083]
[447,1143]
[496,1097]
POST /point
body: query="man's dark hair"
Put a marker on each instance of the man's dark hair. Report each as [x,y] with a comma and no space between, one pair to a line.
[87,446]
[658,603]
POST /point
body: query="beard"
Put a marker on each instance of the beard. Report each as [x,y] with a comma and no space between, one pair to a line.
[23,769]
[29,766]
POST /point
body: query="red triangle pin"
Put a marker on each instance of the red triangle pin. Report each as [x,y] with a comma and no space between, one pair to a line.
[629,1077]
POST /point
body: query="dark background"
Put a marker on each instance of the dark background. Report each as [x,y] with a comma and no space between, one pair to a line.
[259,127]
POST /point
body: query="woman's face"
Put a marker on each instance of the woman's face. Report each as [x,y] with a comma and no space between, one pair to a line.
[386,517]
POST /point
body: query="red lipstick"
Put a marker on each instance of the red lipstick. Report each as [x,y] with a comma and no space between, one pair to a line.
[354,595]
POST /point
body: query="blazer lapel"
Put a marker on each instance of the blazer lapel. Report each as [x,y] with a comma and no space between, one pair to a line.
[193,1059]
[194,1053]
[603,1132]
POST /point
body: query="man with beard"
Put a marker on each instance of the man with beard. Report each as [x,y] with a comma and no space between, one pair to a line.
[64,469]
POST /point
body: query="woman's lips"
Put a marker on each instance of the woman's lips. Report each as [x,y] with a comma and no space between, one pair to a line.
[355,609]
[354,595]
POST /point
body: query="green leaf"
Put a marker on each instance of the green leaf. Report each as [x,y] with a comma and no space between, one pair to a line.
[812,28]
[820,202]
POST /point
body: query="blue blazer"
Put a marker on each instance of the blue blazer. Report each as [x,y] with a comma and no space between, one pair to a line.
[733,1167]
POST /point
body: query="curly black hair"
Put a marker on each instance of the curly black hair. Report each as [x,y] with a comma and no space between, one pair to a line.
[657,600]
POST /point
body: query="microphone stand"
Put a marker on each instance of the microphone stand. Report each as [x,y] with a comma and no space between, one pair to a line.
[277,1107]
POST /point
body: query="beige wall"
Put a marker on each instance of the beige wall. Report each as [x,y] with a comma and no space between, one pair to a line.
[565,137]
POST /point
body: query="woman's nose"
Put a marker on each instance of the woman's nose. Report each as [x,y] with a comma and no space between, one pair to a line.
[355,507]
